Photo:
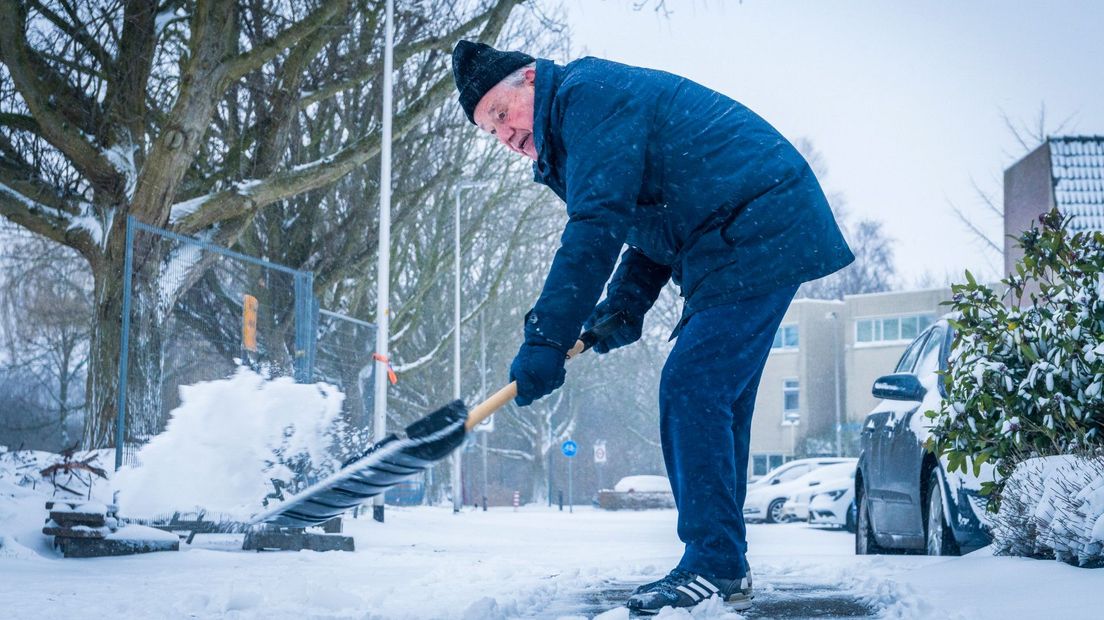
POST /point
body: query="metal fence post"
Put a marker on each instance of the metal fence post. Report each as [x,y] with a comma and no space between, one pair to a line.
[304,326]
[120,407]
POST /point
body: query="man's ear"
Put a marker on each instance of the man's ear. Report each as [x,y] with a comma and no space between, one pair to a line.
[530,76]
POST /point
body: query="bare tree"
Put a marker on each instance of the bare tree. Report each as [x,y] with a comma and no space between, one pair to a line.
[199,116]
[46,308]
[987,212]
[873,270]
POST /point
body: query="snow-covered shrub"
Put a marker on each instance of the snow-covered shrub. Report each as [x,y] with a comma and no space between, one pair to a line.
[1053,507]
[1025,377]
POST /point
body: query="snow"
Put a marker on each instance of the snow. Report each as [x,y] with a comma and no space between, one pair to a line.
[89,223]
[427,562]
[175,270]
[246,186]
[643,484]
[27,202]
[219,450]
[121,157]
[92,508]
[182,210]
[141,533]
[1054,506]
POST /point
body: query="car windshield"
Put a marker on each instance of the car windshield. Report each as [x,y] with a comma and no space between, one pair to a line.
[793,473]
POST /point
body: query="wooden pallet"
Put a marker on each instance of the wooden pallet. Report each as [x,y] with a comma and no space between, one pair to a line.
[82,533]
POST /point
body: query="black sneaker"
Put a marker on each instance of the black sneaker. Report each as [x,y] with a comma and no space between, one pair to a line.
[684,589]
[676,576]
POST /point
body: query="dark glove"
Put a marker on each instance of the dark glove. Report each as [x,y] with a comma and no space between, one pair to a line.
[627,333]
[538,370]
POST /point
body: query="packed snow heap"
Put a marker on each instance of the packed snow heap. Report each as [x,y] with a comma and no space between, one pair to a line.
[227,442]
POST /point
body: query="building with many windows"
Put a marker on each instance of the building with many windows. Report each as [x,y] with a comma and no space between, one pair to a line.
[827,354]
[825,358]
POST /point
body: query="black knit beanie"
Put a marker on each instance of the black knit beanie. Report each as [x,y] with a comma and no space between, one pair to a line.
[477,67]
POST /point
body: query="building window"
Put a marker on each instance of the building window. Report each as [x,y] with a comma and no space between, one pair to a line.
[791,397]
[759,465]
[762,464]
[785,338]
[902,328]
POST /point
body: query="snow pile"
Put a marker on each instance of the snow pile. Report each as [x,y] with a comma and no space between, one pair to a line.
[1053,507]
[227,442]
[21,515]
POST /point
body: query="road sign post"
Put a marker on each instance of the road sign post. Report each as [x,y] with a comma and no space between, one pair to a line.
[569,449]
[599,460]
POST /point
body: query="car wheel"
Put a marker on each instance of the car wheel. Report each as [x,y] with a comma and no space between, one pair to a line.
[774,511]
[865,543]
[938,537]
[849,521]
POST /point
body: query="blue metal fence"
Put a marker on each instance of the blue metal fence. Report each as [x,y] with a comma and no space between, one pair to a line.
[182,322]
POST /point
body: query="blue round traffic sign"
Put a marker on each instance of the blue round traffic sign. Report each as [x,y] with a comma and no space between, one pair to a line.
[569,448]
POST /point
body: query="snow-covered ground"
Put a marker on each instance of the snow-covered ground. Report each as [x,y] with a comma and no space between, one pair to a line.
[537,562]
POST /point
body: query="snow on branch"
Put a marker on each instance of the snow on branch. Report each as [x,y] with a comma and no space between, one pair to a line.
[511,454]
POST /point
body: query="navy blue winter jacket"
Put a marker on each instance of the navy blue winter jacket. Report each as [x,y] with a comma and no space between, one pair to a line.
[702,189]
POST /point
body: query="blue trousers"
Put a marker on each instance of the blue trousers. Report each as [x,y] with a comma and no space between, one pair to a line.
[706,400]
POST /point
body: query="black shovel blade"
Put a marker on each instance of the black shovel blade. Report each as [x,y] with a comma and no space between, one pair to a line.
[439,433]
[384,465]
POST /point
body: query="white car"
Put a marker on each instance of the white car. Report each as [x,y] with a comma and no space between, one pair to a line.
[766,496]
[834,503]
[796,507]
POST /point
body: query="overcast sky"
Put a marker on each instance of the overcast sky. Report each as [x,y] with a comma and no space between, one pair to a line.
[903,99]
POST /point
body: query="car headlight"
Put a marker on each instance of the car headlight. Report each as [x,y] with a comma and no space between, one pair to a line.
[835,495]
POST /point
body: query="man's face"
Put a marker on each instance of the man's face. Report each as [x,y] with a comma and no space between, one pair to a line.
[506,112]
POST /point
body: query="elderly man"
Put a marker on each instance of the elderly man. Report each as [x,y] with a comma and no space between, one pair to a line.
[703,192]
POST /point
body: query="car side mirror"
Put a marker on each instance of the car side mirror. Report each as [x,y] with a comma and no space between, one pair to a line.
[775,481]
[898,386]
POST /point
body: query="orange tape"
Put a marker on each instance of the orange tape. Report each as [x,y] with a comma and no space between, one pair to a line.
[391,376]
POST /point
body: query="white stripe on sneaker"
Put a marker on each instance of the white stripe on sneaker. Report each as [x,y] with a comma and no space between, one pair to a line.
[700,590]
[694,596]
[712,588]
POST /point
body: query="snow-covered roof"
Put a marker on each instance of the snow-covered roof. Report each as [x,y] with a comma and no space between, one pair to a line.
[1077,174]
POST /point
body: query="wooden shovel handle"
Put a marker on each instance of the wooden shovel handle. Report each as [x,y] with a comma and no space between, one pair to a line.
[485,409]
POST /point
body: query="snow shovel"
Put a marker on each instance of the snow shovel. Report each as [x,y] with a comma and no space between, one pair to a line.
[399,457]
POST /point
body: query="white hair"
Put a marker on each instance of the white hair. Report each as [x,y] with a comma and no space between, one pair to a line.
[517,78]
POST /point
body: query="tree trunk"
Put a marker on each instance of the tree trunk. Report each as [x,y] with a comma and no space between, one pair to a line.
[143,401]
[539,464]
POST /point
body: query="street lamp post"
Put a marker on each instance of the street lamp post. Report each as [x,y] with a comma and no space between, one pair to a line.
[379,423]
[457,457]
[483,394]
[834,317]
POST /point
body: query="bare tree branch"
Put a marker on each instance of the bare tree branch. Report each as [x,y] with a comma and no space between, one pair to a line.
[77,32]
[267,50]
[23,122]
[402,53]
[973,228]
[43,220]
[246,197]
[25,72]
